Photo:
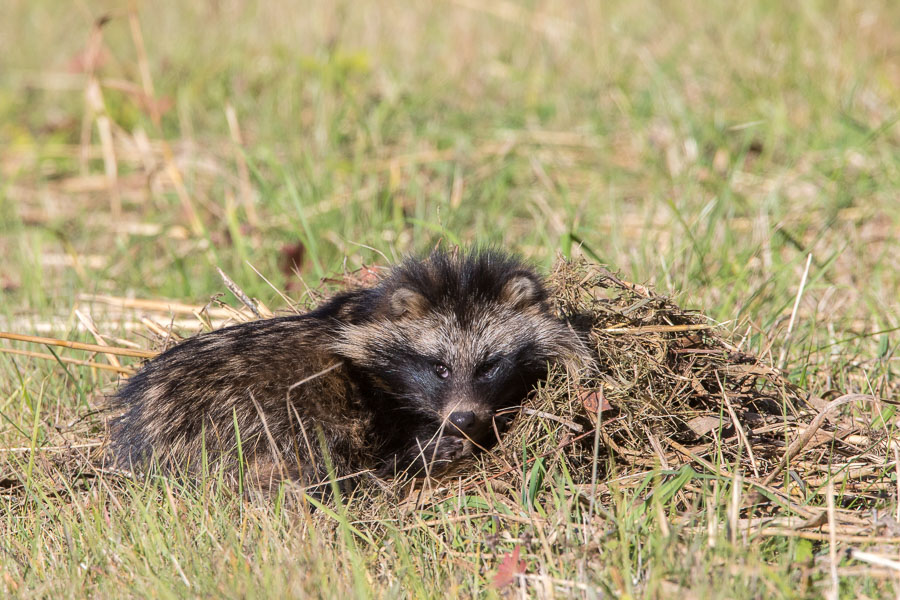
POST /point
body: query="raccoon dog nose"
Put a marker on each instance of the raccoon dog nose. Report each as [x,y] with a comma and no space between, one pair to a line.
[465,422]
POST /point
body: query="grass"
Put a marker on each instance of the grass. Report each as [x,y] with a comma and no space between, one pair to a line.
[705,149]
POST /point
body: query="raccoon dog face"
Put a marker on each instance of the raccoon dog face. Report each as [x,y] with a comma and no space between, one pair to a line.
[455,339]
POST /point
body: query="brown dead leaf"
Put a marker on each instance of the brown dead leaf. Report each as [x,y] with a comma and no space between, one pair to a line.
[292,258]
[594,401]
[368,275]
[703,425]
[291,263]
[509,567]
[363,276]
[94,55]
[150,105]
[690,340]
[88,60]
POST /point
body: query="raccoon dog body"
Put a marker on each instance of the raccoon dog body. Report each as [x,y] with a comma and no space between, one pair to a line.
[407,375]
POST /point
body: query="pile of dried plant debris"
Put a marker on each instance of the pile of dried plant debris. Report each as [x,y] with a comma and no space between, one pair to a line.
[671,392]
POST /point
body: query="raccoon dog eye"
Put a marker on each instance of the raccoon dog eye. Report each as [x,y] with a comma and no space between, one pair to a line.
[488,369]
[442,370]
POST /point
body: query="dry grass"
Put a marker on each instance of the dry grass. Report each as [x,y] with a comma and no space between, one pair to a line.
[737,160]
[670,399]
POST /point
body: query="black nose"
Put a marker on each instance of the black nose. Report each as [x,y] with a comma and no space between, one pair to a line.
[467,424]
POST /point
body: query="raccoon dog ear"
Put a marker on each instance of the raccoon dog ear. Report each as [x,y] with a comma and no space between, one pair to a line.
[405,302]
[520,291]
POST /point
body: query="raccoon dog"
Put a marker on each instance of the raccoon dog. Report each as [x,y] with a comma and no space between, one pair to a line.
[405,376]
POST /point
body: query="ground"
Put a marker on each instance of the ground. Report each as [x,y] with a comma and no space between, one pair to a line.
[741,158]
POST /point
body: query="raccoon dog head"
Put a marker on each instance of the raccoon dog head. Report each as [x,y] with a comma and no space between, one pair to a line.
[456,338]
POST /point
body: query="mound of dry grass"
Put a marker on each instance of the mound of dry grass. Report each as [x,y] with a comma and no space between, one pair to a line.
[669,388]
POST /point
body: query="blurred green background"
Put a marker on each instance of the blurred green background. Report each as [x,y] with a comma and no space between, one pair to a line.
[702,147]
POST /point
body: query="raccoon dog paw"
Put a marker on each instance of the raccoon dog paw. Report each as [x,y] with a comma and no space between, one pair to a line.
[446,450]
[431,458]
